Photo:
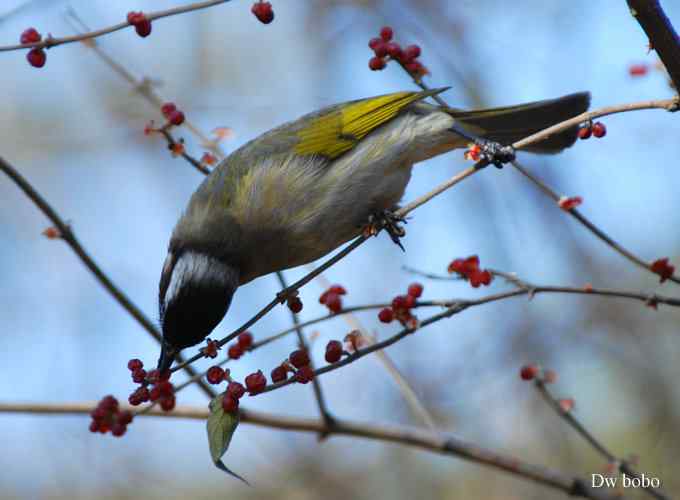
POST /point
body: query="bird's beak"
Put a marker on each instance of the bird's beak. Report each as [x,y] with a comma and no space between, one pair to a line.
[166,358]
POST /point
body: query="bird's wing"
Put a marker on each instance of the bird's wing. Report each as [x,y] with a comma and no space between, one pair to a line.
[334,130]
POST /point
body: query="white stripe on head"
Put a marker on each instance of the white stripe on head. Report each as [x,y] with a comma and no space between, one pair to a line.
[197,268]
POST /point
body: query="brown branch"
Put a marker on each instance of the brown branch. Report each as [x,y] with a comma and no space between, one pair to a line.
[50,42]
[408,436]
[624,466]
[662,36]
[69,237]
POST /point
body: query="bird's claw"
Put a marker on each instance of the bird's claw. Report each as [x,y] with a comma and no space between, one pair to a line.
[390,222]
[494,153]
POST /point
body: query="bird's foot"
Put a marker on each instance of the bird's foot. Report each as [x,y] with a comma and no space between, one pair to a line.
[494,153]
[390,222]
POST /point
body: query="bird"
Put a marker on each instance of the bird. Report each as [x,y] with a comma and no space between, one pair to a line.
[302,189]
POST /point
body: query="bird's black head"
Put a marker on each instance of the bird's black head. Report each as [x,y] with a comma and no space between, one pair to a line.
[194,295]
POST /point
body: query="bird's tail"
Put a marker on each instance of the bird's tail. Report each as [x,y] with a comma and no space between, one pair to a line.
[512,123]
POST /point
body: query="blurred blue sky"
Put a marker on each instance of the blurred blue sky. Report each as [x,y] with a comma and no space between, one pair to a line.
[74,129]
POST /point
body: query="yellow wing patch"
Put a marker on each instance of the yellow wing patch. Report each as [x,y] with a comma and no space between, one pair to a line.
[338,131]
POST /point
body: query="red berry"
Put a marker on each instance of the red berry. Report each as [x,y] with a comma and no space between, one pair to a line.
[393,50]
[333,302]
[376,64]
[415,290]
[409,301]
[299,358]
[386,33]
[125,417]
[176,117]
[135,364]
[143,28]
[386,315]
[295,304]
[263,11]
[662,268]
[584,132]
[633,70]
[245,340]
[30,35]
[138,376]
[215,375]
[118,429]
[599,130]
[339,289]
[304,375]
[94,426]
[154,376]
[166,388]
[168,108]
[168,403]
[229,404]
[236,390]
[255,382]
[399,302]
[235,351]
[279,374]
[529,372]
[155,394]
[333,351]
[411,52]
[380,50]
[373,43]
[36,58]
[135,17]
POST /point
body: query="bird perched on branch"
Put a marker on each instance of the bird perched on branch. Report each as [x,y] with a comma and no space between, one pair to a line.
[301,190]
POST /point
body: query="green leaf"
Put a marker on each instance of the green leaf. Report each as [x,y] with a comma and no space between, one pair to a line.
[221,427]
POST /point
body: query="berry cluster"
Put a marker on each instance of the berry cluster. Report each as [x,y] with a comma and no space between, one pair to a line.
[662,268]
[162,389]
[107,416]
[243,343]
[385,50]
[299,364]
[263,11]
[172,114]
[468,269]
[36,56]
[332,298]
[596,129]
[141,23]
[568,203]
[232,395]
[401,307]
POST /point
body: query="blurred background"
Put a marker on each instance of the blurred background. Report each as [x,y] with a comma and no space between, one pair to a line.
[75,130]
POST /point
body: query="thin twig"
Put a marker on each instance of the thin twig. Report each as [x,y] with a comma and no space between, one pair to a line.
[302,343]
[408,436]
[589,225]
[50,41]
[569,417]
